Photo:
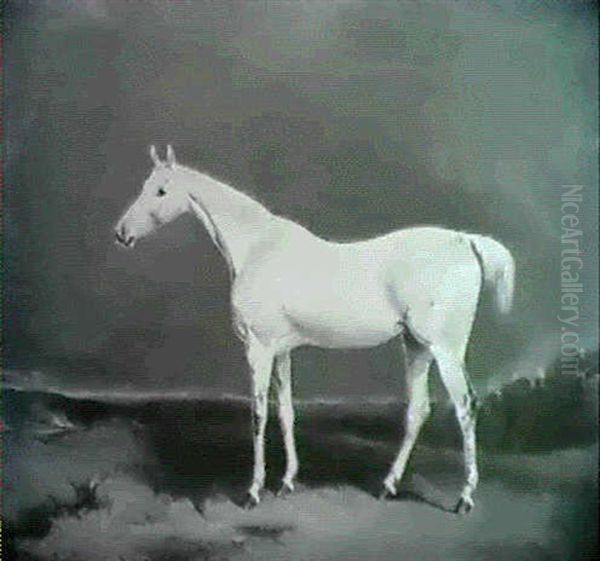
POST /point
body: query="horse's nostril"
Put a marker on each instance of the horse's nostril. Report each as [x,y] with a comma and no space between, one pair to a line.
[122,237]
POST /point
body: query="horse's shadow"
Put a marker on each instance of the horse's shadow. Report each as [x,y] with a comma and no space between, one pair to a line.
[199,450]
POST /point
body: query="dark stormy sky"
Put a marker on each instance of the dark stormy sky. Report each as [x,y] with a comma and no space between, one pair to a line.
[352,117]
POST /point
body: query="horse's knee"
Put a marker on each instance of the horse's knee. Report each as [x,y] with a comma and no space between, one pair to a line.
[415,418]
[469,407]
[257,419]
[466,418]
[285,412]
[259,413]
[423,412]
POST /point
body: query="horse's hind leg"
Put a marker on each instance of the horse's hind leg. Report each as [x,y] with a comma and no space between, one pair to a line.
[417,363]
[455,380]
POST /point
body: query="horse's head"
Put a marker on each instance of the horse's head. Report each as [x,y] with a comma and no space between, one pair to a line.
[162,199]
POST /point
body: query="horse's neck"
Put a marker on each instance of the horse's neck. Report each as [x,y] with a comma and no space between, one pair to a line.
[235,222]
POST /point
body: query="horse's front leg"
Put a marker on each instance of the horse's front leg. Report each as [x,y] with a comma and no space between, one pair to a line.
[260,360]
[283,377]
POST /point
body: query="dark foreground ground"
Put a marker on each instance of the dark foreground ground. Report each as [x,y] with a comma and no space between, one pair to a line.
[132,480]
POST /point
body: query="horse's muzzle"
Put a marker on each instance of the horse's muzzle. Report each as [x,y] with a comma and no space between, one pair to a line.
[123,238]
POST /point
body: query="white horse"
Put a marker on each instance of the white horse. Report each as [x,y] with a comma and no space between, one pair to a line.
[292,288]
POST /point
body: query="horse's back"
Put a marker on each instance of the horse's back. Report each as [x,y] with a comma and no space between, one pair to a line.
[356,293]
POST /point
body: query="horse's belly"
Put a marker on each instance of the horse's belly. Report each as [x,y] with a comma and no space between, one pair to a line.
[337,319]
[345,334]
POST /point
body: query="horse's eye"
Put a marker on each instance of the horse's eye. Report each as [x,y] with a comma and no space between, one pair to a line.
[161,192]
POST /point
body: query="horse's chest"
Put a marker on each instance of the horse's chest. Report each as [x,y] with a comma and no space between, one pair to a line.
[256,305]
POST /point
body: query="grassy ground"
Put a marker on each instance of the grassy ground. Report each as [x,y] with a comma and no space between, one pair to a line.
[161,480]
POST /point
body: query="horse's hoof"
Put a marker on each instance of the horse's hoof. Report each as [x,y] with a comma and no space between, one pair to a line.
[251,501]
[287,487]
[464,505]
[387,492]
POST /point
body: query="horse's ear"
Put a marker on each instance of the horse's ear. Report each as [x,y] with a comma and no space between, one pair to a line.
[170,156]
[154,155]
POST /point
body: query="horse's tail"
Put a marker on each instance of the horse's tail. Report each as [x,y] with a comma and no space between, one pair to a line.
[498,267]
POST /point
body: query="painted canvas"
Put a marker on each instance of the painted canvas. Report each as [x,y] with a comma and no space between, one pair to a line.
[300,280]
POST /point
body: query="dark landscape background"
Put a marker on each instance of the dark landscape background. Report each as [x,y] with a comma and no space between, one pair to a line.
[163,478]
[353,118]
